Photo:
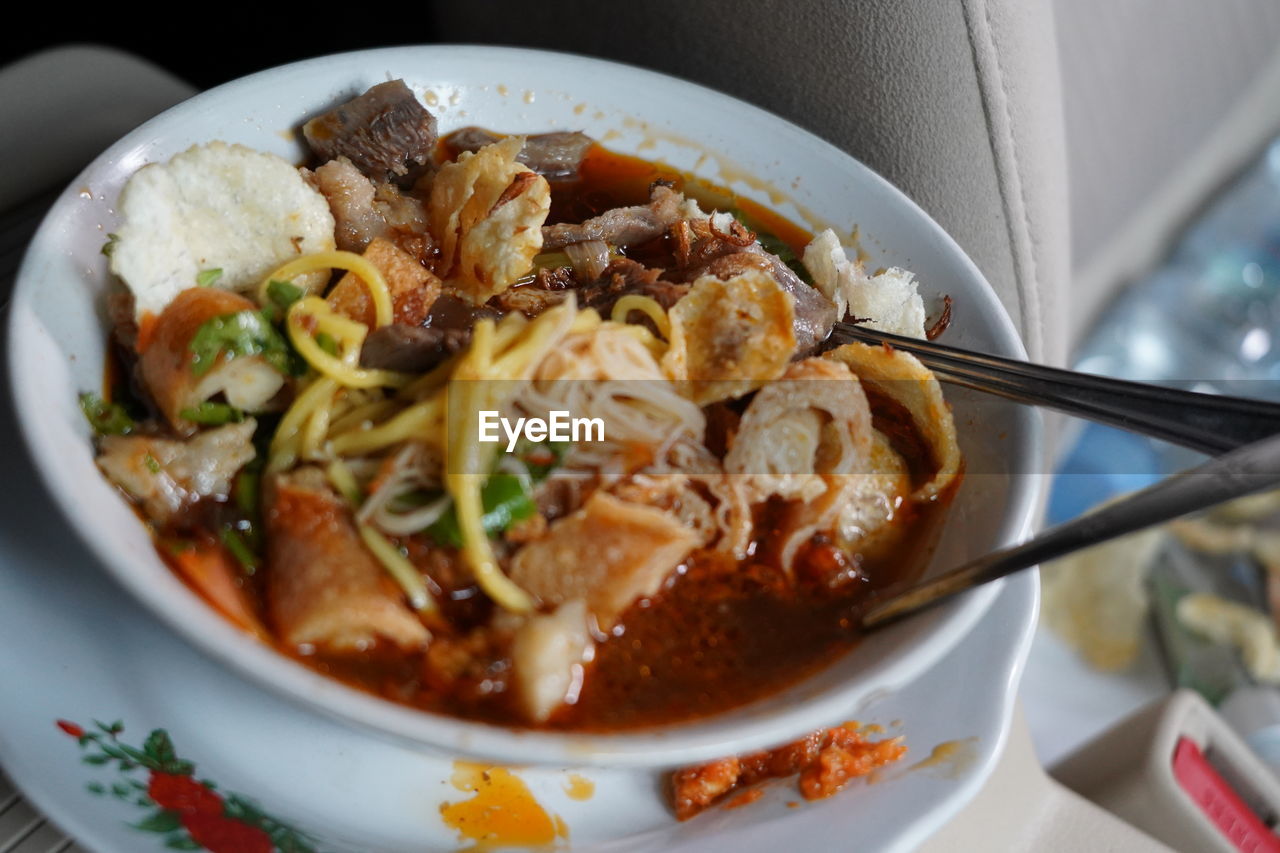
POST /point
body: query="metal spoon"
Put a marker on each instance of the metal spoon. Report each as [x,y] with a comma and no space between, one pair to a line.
[1248,469]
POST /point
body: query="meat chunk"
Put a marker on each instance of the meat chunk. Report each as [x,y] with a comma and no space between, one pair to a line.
[547,657]
[413,287]
[530,299]
[350,197]
[168,367]
[166,475]
[218,213]
[730,336]
[624,276]
[385,132]
[621,226]
[364,211]
[555,156]
[633,549]
[324,589]
[411,349]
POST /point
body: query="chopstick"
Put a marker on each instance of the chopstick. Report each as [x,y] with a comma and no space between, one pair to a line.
[1210,423]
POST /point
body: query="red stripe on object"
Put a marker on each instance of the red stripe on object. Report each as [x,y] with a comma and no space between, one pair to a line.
[1235,820]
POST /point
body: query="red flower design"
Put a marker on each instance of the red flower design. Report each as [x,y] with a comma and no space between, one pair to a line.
[219,834]
[183,794]
[71,728]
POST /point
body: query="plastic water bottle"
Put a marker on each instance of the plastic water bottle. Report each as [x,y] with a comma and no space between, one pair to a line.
[1207,320]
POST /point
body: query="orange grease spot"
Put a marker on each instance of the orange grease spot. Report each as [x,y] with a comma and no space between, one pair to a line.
[579,787]
[503,812]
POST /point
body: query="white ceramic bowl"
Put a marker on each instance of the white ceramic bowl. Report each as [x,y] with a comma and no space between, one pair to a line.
[58,333]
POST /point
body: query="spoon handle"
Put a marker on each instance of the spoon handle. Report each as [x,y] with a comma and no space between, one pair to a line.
[1248,469]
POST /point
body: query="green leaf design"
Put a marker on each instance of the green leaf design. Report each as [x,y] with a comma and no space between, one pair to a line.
[159,746]
[158,754]
[161,820]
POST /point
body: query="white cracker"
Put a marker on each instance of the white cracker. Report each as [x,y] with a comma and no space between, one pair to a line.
[214,206]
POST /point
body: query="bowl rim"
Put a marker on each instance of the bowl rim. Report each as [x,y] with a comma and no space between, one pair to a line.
[663,746]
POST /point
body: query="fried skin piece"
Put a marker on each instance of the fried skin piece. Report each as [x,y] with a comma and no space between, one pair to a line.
[413,287]
[729,337]
[633,547]
[826,761]
[324,589]
[486,212]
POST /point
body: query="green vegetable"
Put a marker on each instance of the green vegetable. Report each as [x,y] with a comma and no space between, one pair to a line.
[153,464]
[210,413]
[247,488]
[325,341]
[541,458]
[242,333]
[110,246]
[207,278]
[505,502]
[239,549]
[283,294]
[106,418]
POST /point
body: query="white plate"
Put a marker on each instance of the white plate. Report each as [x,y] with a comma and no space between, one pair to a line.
[57,338]
[77,647]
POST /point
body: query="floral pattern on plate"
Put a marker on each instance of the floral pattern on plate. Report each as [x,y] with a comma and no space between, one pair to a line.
[188,813]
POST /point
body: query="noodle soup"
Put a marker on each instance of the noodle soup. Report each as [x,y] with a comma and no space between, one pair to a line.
[305,362]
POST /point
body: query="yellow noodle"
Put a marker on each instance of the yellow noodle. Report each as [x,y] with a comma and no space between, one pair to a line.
[285,442]
[399,567]
[495,354]
[429,383]
[344,481]
[350,261]
[415,422]
[647,306]
[365,413]
[316,429]
[349,335]
[586,320]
